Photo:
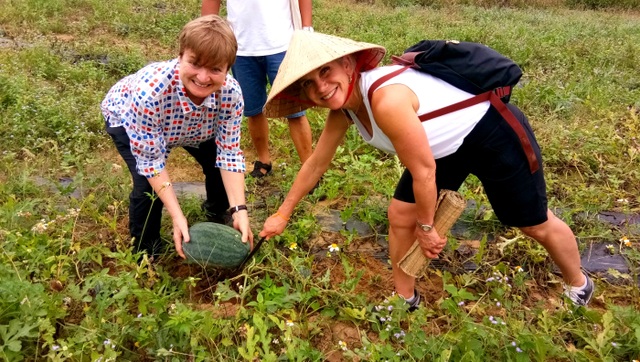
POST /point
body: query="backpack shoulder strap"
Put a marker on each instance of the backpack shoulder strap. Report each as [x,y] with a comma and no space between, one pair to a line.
[507,115]
[407,60]
[383,79]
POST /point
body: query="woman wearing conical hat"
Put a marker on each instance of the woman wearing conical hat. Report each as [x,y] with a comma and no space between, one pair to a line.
[332,72]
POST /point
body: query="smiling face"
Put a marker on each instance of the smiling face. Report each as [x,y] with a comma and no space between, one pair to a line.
[328,85]
[200,80]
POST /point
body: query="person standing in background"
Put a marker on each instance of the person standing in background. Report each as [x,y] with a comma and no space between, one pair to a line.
[263,30]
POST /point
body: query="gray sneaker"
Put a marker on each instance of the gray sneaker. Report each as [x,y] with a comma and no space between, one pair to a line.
[583,296]
[416,303]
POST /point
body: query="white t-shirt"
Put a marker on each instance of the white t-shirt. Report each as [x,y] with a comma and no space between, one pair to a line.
[445,133]
[262,27]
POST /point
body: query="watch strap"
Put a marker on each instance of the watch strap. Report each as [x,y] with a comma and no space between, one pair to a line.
[234,209]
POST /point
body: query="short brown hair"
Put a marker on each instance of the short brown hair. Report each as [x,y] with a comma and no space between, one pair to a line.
[211,39]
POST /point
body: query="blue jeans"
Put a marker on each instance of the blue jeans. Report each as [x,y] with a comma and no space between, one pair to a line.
[253,73]
[145,214]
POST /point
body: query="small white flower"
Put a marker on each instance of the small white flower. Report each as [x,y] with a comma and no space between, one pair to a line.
[289,323]
[519,269]
[40,227]
[334,248]
[342,345]
[610,248]
[55,347]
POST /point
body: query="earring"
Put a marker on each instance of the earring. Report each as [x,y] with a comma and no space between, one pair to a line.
[350,79]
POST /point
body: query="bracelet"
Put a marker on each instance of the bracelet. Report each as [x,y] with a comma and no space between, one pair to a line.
[237,208]
[282,216]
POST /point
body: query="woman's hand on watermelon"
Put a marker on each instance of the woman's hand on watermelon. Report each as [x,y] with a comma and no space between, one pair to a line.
[241,223]
[180,234]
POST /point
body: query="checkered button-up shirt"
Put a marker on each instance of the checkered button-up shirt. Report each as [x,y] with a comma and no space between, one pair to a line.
[153,107]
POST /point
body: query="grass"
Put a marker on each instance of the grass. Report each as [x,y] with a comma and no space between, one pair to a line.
[72,290]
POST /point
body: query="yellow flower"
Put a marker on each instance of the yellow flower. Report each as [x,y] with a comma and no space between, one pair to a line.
[625,241]
[293,246]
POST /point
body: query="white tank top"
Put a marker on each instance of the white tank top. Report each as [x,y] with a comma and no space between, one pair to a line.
[445,133]
[262,27]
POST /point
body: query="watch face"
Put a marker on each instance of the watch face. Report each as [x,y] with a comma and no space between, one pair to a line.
[424,227]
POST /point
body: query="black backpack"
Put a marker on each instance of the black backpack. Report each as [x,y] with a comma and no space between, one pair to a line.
[472,67]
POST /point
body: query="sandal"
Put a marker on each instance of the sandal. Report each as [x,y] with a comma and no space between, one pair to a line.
[258,167]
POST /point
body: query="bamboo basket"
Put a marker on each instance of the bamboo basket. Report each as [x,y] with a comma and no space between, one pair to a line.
[449,207]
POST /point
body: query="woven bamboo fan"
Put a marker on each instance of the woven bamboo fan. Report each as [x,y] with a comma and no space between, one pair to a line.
[449,207]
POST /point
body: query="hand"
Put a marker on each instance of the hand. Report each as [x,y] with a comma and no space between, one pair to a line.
[430,242]
[180,234]
[241,223]
[274,225]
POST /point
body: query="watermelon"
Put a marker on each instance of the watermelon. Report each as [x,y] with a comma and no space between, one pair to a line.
[215,245]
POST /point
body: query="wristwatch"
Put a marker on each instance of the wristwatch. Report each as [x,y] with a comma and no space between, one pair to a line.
[237,208]
[424,227]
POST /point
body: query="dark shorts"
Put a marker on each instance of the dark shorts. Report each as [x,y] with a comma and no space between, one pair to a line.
[253,73]
[493,153]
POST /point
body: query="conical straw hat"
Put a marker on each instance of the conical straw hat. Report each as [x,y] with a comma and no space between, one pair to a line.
[308,51]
